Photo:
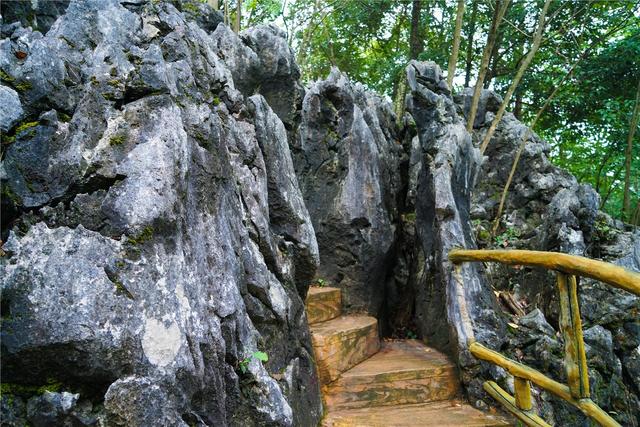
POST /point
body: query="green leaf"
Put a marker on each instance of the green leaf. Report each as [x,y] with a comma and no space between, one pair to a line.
[261,356]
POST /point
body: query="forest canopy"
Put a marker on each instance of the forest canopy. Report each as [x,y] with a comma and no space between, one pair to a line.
[577,84]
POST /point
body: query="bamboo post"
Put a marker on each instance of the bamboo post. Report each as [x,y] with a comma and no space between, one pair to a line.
[587,406]
[526,418]
[575,359]
[522,389]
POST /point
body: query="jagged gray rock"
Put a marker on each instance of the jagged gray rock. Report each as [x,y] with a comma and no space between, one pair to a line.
[157,235]
[347,158]
[453,304]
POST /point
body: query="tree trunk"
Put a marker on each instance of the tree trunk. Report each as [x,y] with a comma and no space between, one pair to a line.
[626,203]
[537,38]
[415,39]
[226,12]
[616,176]
[306,37]
[451,70]
[517,111]
[500,10]
[238,16]
[492,71]
[214,4]
[471,31]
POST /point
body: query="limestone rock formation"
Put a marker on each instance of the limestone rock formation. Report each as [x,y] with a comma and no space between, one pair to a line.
[156,236]
[170,189]
[347,157]
[453,304]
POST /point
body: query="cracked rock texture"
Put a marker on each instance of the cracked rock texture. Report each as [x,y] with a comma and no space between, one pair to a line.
[156,236]
[453,303]
[170,190]
[347,155]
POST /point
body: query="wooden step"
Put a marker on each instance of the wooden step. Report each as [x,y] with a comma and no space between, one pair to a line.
[441,414]
[323,303]
[341,343]
[402,372]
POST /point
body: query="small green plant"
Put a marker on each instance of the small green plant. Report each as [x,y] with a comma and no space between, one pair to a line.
[140,238]
[258,355]
[602,231]
[507,238]
[24,86]
[6,77]
[26,126]
[320,283]
[117,139]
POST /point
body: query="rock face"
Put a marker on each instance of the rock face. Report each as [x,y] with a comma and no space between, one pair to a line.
[156,236]
[453,304]
[347,157]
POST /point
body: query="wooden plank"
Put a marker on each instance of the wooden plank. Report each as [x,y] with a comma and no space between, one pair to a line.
[342,343]
[570,264]
[509,403]
[522,389]
[575,360]
[323,303]
[517,369]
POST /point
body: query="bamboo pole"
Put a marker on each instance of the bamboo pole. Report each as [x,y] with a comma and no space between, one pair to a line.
[614,275]
[500,10]
[537,38]
[587,406]
[522,389]
[511,405]
[575,360]
[453,59]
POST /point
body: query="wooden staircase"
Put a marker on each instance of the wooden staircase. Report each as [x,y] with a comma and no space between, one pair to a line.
[366,383]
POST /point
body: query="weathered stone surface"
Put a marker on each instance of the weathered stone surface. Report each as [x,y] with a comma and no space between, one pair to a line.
[323,304]
[453,304]
[39,15]
[342,343]
[11,111]
[157,235]
[261,61]
[346,158]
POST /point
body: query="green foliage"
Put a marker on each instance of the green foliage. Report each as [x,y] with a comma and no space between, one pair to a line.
[25,126]
[6,77]
[144,235]
[320,283]
[23,86]
[117,139]
[602,231]
[30,390]
[258,355]
[507,238]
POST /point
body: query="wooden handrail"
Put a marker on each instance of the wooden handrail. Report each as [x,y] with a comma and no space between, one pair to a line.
[518,370]
[567,268]
[611,274]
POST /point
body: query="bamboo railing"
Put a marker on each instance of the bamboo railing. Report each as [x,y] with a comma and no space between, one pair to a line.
[576,392]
